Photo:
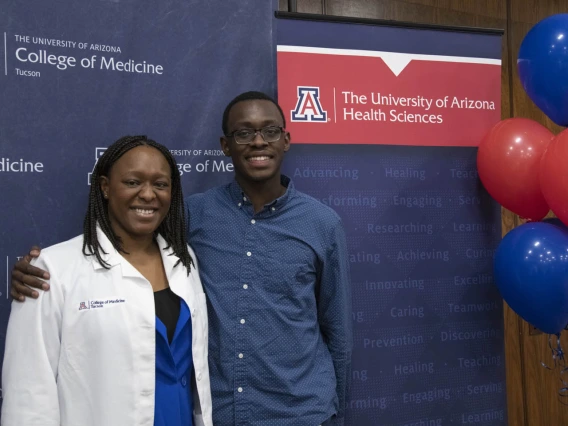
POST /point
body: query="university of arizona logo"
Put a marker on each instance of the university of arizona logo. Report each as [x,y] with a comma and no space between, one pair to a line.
[308,107]
[83,305]
[98,154]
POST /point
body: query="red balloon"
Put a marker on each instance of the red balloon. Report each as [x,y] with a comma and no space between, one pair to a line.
[554,176]
[508,162]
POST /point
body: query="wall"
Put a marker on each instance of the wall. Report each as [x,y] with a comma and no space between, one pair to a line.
[532,390]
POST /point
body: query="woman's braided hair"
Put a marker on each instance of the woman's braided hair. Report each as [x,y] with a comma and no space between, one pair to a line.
[173,228]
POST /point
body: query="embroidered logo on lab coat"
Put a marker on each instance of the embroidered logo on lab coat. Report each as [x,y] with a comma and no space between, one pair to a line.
[101,303]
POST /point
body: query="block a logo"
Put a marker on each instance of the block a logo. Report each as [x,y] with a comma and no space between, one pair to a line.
[308,107]
[98,153]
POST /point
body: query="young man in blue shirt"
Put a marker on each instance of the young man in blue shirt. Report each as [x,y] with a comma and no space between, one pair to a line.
[274,266]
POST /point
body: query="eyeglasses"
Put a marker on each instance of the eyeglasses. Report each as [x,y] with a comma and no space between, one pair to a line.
[246,136]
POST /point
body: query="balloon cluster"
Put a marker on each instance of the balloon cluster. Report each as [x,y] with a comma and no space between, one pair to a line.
[525,168]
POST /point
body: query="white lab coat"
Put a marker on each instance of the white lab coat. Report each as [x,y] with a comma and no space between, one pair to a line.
[83,353]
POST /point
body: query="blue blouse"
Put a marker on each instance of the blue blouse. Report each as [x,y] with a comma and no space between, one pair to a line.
[174,366]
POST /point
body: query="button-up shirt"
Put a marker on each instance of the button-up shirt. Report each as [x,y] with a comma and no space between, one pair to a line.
[174,365]
[277,283]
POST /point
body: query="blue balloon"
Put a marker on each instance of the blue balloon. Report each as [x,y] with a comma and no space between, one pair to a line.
[543,66]
[531,271]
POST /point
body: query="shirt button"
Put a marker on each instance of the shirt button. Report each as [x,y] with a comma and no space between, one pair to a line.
[240,390]
[245,286]
[253,221]
[240,204]
[198,376]
[183,382]
[193,313]
[241,356]
[243,321]
[273,208]
[244,198]
[249,254]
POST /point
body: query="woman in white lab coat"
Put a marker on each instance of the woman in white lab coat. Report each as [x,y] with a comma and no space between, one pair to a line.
[121,338]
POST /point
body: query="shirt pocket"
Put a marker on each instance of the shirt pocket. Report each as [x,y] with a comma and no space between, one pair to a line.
[290,270]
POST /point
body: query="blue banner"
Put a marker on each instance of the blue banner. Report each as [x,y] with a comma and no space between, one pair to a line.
[76,76]
[385,135]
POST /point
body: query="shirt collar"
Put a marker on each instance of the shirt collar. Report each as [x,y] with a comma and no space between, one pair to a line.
[111,256]
[240,198]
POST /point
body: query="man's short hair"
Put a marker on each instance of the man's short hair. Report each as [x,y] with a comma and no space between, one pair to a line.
[248,96]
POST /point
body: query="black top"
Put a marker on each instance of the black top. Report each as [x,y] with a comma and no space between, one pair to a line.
[167,305]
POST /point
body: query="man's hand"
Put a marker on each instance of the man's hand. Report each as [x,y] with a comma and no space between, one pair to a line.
[25,276]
